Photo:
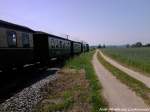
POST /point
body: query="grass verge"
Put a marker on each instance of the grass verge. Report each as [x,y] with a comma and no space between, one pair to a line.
[76,89]
[69,93]
[84,62]
[137,86]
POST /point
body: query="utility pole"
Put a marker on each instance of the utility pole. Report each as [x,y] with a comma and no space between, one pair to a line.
[67,36]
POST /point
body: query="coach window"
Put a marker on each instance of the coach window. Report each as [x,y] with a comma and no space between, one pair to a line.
[52,43]
[64,45]
[12,39]
[25,40]
[60,44]
[57,44]
[68,44]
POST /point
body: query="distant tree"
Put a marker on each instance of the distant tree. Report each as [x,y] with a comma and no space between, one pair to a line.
[99,46]
[103,46]
[147,45]
[128,45]
[138,44]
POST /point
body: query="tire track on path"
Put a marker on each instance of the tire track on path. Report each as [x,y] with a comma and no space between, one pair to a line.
[117,94]
[139,76]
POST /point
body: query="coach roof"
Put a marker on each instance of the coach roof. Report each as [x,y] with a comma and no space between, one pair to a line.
[14,26]
[51,35]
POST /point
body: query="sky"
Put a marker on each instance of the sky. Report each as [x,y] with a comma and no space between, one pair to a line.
[110,22]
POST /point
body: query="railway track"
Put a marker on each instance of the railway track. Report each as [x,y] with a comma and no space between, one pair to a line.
[15,81]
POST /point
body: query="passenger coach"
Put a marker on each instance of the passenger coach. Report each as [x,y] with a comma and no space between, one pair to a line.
[16,45]
[48,46]
[21,46]
[76,47]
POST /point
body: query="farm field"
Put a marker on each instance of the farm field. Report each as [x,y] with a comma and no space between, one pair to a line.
[138,87]
[136,58]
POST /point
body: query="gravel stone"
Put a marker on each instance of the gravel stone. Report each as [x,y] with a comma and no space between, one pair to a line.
[28,97]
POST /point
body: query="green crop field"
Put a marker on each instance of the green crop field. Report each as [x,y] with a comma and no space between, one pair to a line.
[137,58]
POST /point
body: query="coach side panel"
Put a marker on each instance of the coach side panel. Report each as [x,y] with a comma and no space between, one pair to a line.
[59,47]
[16,47]
[77,47]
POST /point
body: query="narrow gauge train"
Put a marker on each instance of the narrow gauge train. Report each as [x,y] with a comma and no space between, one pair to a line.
[21,46]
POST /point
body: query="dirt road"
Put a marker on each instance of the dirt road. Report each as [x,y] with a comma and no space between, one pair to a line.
[139,76]
[117,94]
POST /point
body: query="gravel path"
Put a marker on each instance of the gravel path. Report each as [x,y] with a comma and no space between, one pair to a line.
[117,94]
[28,97]
[139,76]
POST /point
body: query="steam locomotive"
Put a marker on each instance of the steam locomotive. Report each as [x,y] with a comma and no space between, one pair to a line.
[21,46]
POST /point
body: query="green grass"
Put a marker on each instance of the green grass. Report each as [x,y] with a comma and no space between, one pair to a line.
[76,89]
[137,86]
[137,58]
[83,61]
[67,102]
[69,92]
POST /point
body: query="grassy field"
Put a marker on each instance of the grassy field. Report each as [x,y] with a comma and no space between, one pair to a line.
[77,88]
[137,86]
[137,58]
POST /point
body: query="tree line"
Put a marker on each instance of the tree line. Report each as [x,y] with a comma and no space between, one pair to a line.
[101,46]
[138,44]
